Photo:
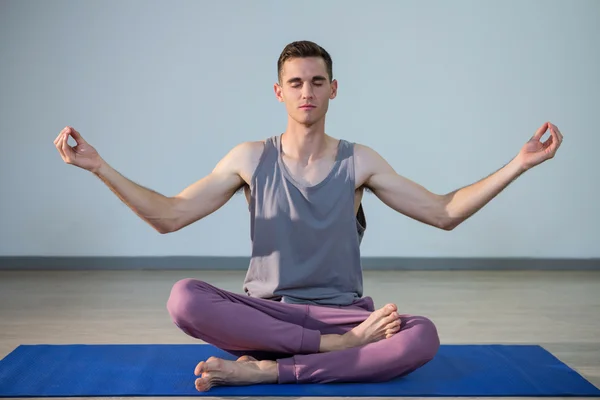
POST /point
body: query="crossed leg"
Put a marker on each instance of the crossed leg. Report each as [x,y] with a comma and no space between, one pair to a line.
[284,342]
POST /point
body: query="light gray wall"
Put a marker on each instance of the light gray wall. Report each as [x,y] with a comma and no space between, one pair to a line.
[448,92]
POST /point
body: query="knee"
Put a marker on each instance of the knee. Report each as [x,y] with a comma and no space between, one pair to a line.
[425,341]
[184,300]
[429,338]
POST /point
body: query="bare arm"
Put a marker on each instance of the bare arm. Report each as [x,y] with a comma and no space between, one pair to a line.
[450,210]
[211,192]
[397,192]
[463,203]
[152,207]
[441,211]
[165,214]
[200,199]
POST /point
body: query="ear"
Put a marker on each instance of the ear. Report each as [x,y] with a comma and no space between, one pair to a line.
[278,92]
[334,89]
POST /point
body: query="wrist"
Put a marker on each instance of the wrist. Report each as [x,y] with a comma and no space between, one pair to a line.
[517,166]
[101,169]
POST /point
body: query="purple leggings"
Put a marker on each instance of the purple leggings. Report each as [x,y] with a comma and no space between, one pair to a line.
[290,335]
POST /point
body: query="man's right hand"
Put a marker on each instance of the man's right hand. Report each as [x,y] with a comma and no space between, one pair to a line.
[83,155]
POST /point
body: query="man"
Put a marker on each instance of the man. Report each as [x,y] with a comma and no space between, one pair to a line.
[303,317]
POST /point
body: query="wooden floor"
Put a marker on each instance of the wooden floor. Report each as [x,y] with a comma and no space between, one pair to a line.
[559,310]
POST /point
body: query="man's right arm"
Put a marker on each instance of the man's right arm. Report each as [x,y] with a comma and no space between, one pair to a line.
[169,214]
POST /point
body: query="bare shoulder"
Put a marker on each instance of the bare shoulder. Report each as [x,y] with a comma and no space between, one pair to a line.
[243,158]
[368,162]
[248,150]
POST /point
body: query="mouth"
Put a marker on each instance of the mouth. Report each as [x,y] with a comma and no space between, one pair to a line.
[306,107]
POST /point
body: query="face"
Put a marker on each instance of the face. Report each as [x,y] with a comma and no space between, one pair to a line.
[305,89]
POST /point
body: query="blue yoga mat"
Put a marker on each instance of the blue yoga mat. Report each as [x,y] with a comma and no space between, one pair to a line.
[167,370]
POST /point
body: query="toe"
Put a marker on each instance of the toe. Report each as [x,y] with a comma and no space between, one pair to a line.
[391,319]
[394,328]
[203,384]
[200,368]
[385,311]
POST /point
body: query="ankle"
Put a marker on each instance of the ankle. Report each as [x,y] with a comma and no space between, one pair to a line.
[331,342]
[350,340]
[270,370]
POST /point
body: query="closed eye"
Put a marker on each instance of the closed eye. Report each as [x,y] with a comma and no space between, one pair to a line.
[297,85]
[297,81]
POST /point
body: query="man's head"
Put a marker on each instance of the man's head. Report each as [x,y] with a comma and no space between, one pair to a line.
[305,77]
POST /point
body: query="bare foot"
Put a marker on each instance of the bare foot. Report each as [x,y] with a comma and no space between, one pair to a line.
[218,372]
[246,358]
[381,324]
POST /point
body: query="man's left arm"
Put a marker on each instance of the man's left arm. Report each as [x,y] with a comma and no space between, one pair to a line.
[450,210]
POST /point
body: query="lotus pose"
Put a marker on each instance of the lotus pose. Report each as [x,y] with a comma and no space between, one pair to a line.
[303,317]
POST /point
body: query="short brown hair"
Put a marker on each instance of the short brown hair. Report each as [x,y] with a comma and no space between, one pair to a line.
[301,49]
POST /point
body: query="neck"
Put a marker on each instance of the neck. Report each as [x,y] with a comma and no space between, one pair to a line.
[305,143]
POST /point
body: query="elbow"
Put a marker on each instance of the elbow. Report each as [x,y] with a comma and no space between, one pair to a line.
[163,229]
[445,220]
[448,224]
[171,226]
[175,225]
[170,220]
[166,226]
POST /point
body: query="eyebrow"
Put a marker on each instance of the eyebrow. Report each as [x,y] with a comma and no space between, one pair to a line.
[315,78]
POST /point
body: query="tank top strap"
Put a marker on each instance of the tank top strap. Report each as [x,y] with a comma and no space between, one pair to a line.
[346,150]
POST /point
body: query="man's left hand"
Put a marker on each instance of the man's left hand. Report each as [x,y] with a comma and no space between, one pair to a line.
[535,151]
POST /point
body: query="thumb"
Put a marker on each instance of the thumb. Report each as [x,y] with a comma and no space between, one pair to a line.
[76,135]
[540,132]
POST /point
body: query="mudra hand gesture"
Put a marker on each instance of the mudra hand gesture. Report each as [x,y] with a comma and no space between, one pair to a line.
[535,151]
[83,155]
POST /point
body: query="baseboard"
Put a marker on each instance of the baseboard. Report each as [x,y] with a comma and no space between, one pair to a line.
[241,263]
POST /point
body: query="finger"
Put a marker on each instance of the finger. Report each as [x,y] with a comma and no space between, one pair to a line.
[556,129]
[59,146]
[554,133]
[548,142]
[556,144]
[540,132]
[68,152]
[551,146]
[57,140]
[59,136]
[77,136]
[560,135]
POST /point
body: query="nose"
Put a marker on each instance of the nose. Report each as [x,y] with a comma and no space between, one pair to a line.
[307,91]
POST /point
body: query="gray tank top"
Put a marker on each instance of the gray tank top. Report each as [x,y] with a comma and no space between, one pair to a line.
[305,239]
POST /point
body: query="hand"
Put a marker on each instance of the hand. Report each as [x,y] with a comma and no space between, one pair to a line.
[83,155]
[535,152]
